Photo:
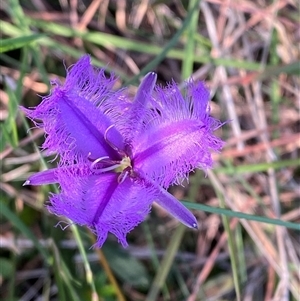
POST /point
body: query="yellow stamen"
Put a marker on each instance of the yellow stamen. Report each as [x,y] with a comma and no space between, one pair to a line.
[126,162]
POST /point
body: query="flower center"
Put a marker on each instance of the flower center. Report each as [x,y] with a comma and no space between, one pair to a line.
[105,164]
[125,163]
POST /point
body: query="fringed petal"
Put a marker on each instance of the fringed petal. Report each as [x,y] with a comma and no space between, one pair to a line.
[50,176]
[128,115]
[177,136]
[42,178]
[89,82]
[137,111]
[102,204]
[72,118]
[170,203]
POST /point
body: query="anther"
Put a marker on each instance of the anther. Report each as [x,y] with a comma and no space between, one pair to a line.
[109,168]
[107,141]
[114,147]
[98,160]
[122,177]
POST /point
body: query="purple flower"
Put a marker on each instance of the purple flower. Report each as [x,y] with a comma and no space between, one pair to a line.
[118,156]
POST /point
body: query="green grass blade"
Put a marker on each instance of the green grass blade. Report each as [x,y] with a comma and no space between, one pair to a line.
[105,40]
[166,264]
[241,258]
[259,167]
[9,126]
[189,51]
[88,272]
[18,224]
[251,217]
[154,257]
[271,71]
[275,94]
[232,248]
[18,16]
[63,277]
[19,42]
[151,65]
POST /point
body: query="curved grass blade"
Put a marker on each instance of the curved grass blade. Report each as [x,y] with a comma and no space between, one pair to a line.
[251,217]
[18,42]
[152,64]
[104,39]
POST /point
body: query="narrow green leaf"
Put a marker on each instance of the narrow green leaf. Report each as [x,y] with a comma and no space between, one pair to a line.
[232,248]
[105,40]
[126,267]
[271,71]
[63,277]
[165,266]
[17,14]
[18,42]
[260,167]
[189,51]
[17,223]
[241,258]
[88,272]
[251,217]
[275,89]
[152,64]
[6,268]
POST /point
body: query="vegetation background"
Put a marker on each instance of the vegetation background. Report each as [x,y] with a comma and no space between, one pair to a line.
[248,54]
